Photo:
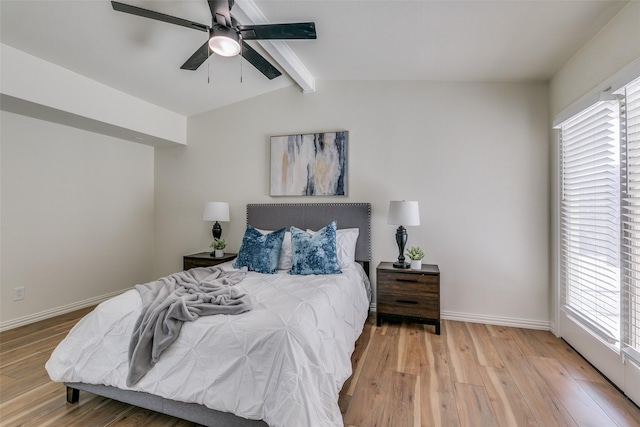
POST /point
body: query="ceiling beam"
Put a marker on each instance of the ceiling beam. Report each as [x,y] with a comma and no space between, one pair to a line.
[248,13]
[36,88]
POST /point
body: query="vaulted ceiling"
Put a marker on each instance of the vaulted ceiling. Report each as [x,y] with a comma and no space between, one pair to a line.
[476,40]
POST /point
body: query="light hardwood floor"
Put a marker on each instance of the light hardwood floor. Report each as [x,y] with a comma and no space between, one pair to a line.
[404,375]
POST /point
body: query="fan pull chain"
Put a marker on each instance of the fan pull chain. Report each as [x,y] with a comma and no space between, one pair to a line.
[241,49]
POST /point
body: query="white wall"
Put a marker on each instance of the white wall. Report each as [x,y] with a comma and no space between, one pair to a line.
[77,216]
[613,48]
[475,155]
[592,69]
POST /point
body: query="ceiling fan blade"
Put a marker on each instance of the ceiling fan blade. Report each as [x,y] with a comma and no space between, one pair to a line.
[300,30]
[248,53]
[220,11]
[134,10]
[258,61]
[198,57]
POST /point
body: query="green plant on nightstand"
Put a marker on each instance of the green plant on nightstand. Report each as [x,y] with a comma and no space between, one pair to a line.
[218,246]
[415,253]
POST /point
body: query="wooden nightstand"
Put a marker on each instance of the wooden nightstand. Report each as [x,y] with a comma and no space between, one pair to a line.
[204,259]
[408,295]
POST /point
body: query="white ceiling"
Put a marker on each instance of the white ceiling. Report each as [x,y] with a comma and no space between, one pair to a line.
[357,40]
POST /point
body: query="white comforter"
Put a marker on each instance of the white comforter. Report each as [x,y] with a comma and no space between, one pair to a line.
[284,362]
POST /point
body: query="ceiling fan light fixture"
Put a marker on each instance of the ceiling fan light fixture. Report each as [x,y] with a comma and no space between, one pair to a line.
[224,41]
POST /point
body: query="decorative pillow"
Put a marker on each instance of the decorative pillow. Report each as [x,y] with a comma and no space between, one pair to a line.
[314,254]
[346,239]
[260,252]
[284,263]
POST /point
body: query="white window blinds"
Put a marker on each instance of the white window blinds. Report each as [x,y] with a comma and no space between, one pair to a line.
[590,219]
[630,145]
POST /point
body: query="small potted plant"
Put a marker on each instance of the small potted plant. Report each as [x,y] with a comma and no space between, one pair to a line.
[218,246]
[416,254]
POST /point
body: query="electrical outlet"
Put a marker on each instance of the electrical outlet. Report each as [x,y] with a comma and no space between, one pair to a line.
[18,293]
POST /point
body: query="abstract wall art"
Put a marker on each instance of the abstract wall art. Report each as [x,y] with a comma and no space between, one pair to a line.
[313,164]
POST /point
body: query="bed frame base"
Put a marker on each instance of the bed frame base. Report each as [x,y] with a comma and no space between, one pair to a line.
[73,395]
[187,411]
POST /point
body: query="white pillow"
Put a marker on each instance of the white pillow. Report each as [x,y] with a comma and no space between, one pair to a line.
[284,263]
[346,239]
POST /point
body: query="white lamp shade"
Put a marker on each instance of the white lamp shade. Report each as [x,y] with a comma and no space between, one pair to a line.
[224,46]
[224,41]
[403,213]
[216,211]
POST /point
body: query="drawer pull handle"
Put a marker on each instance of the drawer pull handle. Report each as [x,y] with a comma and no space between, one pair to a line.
[407,280]
[404,301]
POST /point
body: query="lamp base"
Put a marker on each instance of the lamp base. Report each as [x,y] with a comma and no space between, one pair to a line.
[216,230]
[401,240]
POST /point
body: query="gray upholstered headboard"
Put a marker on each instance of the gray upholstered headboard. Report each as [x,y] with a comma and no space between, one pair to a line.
[315,216]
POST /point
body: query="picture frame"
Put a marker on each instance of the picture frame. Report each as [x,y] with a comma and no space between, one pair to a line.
[313,164]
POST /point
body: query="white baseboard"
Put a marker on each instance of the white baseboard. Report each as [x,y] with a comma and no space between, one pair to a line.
[491,320]
[32,318]
[445,315]
[496,320]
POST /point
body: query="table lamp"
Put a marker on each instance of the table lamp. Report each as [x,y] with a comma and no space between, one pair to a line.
[216,211]
[403,213]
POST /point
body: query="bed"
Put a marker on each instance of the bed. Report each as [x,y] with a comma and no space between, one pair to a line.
[281,364]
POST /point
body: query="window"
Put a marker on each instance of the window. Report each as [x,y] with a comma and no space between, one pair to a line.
[630,143]
[600,219]
[590,219]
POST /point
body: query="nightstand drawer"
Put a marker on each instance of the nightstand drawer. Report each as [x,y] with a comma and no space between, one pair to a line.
[407,283]
[409,306]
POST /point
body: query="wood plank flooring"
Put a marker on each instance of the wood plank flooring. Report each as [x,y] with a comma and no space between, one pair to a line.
[403,376]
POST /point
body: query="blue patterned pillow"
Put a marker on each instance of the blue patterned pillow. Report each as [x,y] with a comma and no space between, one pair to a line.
[314,254]
[260,252]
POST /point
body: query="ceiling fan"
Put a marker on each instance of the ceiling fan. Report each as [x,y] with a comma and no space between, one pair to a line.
[227,37]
